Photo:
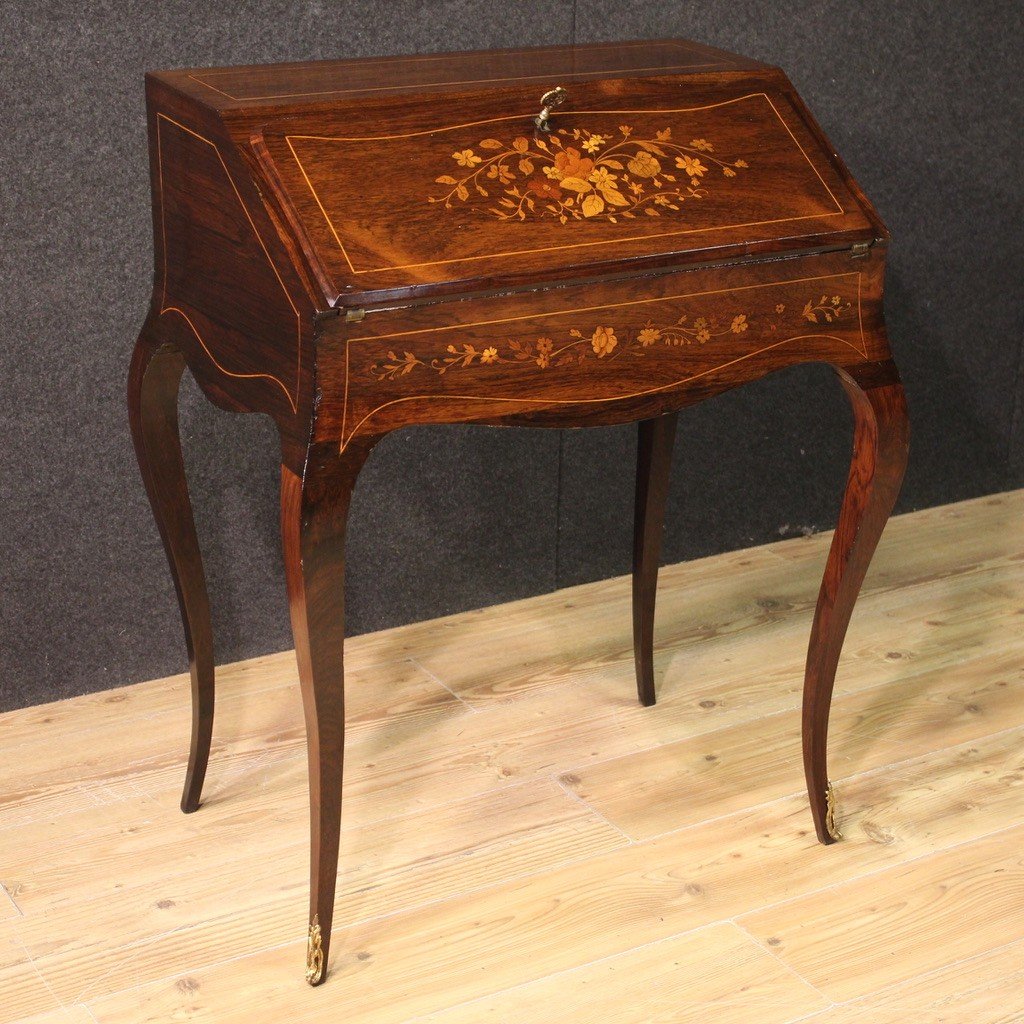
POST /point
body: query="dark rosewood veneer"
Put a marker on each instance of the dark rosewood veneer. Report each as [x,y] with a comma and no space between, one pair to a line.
[356,246]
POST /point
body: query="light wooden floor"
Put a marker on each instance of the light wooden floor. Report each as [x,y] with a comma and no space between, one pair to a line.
[524,844]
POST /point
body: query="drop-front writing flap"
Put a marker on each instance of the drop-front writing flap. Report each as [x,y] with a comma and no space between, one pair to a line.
[412,192]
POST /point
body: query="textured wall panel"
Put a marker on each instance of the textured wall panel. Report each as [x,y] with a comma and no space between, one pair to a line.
[924,102]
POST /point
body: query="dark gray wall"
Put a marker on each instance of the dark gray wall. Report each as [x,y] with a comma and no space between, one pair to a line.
[922,98]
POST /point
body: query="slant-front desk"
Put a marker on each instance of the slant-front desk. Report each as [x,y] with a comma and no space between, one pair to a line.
[556,237]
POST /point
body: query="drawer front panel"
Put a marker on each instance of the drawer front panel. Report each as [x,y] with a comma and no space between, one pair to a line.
[612,351]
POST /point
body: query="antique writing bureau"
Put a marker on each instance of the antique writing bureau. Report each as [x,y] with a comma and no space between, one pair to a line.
[555,237]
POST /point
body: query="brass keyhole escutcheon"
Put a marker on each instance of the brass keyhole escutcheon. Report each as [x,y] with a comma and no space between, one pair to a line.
[551,99]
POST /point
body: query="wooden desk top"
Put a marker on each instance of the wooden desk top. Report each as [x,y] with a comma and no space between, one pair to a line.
[291,85]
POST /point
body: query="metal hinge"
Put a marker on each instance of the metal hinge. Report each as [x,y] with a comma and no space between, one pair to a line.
[354,315]
[859,249]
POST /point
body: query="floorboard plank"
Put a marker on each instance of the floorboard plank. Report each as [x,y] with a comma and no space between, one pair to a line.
[23,993]
[672,785]
[65,1015]
[982,990]
[150,747]
[729,595]
[883,929]
[714,974]
[470,946]
[518,833]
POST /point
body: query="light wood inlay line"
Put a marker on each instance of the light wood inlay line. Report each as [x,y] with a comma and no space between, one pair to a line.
[568,75]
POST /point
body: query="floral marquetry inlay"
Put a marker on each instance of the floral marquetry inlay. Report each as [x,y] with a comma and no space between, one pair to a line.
[608,340]
[579,174]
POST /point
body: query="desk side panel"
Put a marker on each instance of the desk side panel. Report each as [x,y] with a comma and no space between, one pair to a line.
[225,286]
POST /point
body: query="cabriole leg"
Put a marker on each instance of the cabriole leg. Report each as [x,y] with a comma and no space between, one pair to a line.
[314,510]
[880,445]
[153,381]
[655,439]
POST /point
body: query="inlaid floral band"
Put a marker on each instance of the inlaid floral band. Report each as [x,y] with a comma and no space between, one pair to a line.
[609,341]
[579,174]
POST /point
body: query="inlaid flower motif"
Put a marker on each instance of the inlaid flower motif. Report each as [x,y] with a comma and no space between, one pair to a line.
[577,174]
[604,341]
[602,178]
[572,164]
[643,165]
[691,165]
[544,188]
[825,309]
[609,342]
